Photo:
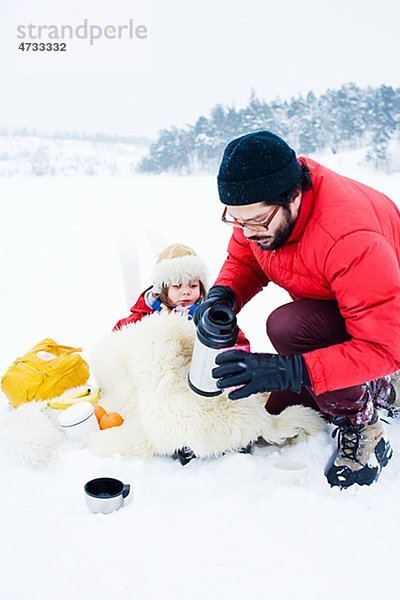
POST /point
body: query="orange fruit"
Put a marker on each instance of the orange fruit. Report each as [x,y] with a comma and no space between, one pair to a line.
[99,412]
[111,419]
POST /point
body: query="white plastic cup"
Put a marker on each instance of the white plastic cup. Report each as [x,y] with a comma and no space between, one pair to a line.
[78,421]
[290,473]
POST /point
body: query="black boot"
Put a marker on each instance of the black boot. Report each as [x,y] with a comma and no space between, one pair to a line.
[362,452]
[184,455]
[246,449]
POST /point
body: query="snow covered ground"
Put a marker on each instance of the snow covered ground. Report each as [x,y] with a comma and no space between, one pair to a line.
[213,529]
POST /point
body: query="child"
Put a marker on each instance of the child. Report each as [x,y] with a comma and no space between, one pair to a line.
[178,285]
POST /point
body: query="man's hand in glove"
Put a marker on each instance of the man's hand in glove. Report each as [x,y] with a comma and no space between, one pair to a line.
[219,294]
[258,372]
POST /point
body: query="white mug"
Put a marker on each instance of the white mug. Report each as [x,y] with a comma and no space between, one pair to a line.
[105,494]
[290,473]
[78,421]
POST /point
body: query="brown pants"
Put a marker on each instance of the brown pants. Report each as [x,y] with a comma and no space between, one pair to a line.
[306,325]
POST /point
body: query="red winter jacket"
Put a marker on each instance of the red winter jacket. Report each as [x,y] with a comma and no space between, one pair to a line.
[140,309]
[345,246]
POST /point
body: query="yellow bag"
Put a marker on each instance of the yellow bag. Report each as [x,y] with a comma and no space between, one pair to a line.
[44,372]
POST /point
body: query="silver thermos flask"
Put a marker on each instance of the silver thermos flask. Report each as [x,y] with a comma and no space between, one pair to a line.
[216,330]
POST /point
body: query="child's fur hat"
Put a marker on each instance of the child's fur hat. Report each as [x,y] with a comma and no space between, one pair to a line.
[178,264]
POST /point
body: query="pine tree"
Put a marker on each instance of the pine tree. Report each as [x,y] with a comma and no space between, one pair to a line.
[257,115]
[169,153]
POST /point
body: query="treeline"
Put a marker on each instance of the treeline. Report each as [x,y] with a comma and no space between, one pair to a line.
[344,119]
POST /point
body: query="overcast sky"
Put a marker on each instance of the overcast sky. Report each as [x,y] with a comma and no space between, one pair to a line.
[197,54]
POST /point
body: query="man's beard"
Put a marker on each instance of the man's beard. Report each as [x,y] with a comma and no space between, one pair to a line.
[280,236]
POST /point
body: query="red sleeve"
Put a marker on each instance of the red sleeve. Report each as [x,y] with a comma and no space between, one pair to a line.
[363,272]
[242,339]
[241,271]
[138,311]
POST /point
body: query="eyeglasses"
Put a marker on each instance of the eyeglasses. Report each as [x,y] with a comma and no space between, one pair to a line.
[256,225]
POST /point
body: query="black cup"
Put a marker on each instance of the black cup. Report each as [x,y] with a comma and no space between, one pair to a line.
[105,494]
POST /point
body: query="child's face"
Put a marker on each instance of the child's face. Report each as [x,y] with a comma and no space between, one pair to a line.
[184,294]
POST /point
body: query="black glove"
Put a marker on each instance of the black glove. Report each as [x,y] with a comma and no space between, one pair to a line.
[258,372]
[219,294]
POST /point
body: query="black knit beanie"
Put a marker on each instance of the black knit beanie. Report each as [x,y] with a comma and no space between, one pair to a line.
[257,167]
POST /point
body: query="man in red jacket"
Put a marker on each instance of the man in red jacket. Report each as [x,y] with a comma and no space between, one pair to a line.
[334,245]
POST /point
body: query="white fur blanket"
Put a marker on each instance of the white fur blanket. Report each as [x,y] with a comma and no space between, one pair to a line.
[143,372]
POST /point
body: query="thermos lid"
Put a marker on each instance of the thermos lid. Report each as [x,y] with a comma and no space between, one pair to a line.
[218,328]
[75,414]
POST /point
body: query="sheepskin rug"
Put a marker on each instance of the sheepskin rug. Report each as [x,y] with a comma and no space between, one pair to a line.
[143,370]
[30,434]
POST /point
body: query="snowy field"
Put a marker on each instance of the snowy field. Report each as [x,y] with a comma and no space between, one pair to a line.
[211,530]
